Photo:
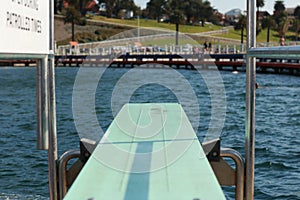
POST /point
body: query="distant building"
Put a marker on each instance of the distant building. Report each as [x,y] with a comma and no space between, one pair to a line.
[263,14]
[164,18]
[125,14]
[129,14]
[290,16]
[233,15]
[102,7]
[92,6]
[290,13]
[221,17]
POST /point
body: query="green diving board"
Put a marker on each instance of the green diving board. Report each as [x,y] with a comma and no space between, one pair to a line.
[149,152]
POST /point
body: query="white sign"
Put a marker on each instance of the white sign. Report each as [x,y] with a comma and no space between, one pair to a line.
[24,26]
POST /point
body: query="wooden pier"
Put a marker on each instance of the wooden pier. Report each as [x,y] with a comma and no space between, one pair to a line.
[230,62]
[16,63]
[177,61]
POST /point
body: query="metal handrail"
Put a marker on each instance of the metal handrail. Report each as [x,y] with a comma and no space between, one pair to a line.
[239,163]
[62,171]
[284,52]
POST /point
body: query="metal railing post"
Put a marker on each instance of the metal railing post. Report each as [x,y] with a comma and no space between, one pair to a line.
[52,151]
[250,101]
[42,110]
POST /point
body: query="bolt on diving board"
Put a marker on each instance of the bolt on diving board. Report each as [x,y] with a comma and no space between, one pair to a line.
[149,152]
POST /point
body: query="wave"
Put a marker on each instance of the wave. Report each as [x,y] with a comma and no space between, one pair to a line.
[274,165]
[269,193]
[5,196]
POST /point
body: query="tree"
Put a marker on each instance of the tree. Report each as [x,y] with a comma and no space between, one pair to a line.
[297,12]
[55,6]
[156,9]
[259,4]
[240,25]
[123,6]
[297,21]
[117,7]
[198,11]
[74,12]
[186,11]
[176,14]
[206,11]
[268,22]
[80,5]
[72,16]
[109,5]
[190,10]
[128,5]
[280,17]
[59,6]
[279,7]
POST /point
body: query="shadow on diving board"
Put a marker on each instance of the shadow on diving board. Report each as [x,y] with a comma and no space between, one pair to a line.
[149,152]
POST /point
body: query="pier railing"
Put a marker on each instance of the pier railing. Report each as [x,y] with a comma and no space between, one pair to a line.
[274,44]
[113,47]
[98,49]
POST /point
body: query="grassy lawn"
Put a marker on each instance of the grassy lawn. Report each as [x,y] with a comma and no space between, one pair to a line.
[153,23]
[98,33]
[260,38]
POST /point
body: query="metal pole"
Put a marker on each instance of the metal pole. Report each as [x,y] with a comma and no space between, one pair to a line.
[42,110]
[39,126]
[52,151]
[250,101]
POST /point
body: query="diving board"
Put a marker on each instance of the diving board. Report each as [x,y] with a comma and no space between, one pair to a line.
[149,152]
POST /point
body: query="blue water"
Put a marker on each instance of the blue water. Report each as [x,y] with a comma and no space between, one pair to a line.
[23,169]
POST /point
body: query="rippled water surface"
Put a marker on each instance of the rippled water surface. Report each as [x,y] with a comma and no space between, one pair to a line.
[23,169]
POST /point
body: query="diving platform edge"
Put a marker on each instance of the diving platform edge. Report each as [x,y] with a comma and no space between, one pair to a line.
[149,152]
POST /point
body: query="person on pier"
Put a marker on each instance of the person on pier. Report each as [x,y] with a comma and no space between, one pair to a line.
[282,41]
[205,46]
